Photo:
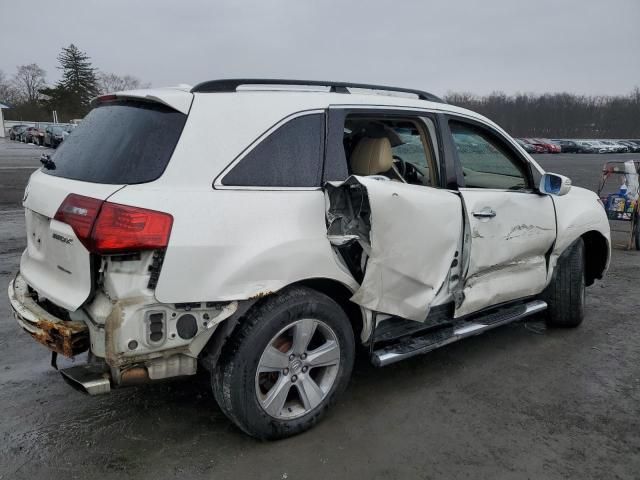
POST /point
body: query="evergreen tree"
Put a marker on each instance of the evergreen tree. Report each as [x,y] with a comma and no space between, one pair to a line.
[77,86]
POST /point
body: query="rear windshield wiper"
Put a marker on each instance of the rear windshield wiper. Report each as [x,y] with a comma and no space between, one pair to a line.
[46,161]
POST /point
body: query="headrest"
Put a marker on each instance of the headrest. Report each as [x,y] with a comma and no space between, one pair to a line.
[372,156]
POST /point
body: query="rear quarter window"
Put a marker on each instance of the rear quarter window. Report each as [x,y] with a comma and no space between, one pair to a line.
[291,156]
[121,142]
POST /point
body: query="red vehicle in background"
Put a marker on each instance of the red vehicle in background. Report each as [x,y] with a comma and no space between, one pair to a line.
[37,134]
[548,144]
[539,147]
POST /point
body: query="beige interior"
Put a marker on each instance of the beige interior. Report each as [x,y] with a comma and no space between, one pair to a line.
[373,156]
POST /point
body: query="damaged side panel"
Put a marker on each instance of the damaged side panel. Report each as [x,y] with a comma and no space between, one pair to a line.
[409,237]
[506,256]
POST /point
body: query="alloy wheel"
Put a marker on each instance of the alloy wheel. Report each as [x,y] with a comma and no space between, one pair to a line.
[297,369]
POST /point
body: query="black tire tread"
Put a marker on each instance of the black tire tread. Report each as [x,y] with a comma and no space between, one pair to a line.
[564,294]
[225,370]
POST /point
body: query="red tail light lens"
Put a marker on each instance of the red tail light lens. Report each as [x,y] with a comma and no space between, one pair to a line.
[79,213]
[105,227]
[121,228]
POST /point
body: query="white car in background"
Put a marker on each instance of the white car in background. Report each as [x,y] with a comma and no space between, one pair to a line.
[260,229]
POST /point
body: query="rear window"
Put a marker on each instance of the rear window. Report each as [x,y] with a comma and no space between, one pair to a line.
[122,142]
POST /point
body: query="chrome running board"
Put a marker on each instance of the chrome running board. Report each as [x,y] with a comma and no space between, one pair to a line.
[412,346]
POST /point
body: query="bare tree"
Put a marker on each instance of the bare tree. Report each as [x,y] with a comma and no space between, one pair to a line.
[110,82]
[8,93]
[28,81]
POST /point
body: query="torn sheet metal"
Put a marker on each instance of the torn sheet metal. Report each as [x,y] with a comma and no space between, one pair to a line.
[68,338]
[409,233]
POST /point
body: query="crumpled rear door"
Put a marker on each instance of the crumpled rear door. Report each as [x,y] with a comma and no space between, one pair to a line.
[410,234]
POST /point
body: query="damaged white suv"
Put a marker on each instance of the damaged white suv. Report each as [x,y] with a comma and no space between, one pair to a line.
[260,229]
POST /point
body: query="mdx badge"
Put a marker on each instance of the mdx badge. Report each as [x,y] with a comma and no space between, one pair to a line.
[62,238]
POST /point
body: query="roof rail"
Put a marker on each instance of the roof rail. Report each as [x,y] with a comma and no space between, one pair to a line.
[231,84]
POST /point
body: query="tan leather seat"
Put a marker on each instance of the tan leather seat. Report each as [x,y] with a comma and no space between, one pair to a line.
[373,156]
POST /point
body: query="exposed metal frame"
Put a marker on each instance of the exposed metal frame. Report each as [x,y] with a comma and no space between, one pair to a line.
[231,85]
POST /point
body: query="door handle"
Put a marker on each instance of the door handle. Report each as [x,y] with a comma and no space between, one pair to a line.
[485,213]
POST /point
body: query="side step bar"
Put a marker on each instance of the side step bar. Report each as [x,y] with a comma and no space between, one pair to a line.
[412,346]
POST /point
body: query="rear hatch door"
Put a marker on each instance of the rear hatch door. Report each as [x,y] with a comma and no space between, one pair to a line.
[123,141]
[55,263]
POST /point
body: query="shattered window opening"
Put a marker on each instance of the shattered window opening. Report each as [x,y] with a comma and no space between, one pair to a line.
[410,155]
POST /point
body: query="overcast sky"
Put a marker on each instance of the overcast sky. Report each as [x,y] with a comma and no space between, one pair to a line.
[583,46]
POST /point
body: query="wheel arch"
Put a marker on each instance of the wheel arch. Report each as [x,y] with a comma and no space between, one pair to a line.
[334,289]
[596,255]
[341,294]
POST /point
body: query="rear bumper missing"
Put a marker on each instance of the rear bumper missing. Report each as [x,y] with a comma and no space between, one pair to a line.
[67,338]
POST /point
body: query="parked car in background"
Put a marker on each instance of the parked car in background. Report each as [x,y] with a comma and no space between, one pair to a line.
[616,147]
[604,147]
[568,146]
[540,146]
[635,144]
[53,136]
[15,131]
[35,135]
[551,147]
[39,137]
[585,146]
[628,145]
[528,147]
[26,135]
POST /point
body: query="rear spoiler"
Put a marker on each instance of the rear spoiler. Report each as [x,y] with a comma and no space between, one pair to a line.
[177,98]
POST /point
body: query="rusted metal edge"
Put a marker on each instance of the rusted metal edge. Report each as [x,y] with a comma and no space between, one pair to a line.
[67,338]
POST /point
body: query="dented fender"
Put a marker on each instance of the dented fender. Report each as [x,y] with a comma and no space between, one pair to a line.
[578,212]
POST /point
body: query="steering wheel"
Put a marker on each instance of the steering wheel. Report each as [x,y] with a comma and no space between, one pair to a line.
[409,171]
[402,166]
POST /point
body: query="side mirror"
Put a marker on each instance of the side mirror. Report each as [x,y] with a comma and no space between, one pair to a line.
[554,184]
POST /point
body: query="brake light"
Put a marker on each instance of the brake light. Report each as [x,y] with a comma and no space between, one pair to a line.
[106,98]
[80,214]
[105,227]
[120,228]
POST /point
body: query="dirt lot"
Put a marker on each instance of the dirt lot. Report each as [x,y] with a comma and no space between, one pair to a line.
[518,402]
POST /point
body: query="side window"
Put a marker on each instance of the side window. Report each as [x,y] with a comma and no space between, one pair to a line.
[485,162]
[400,148]
[291,156]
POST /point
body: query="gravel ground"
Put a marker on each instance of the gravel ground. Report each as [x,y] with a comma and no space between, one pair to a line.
[518,402]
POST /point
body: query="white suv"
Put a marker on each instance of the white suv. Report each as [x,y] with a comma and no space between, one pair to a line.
[260,229]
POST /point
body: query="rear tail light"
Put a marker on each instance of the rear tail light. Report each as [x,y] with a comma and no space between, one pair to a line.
[120,228]
[80,213]
[105,227]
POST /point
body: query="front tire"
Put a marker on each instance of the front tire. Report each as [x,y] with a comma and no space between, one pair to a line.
[565,295]
[285,364]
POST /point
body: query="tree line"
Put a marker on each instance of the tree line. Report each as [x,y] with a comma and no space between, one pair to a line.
[561,115]
[32,98]
[558,115]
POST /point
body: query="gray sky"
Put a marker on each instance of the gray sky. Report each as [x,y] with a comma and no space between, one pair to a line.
[583,46]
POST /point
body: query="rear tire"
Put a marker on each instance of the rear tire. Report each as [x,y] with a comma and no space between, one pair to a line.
[253,381]
[565,295]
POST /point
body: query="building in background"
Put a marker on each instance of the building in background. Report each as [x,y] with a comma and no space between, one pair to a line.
[2,107]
